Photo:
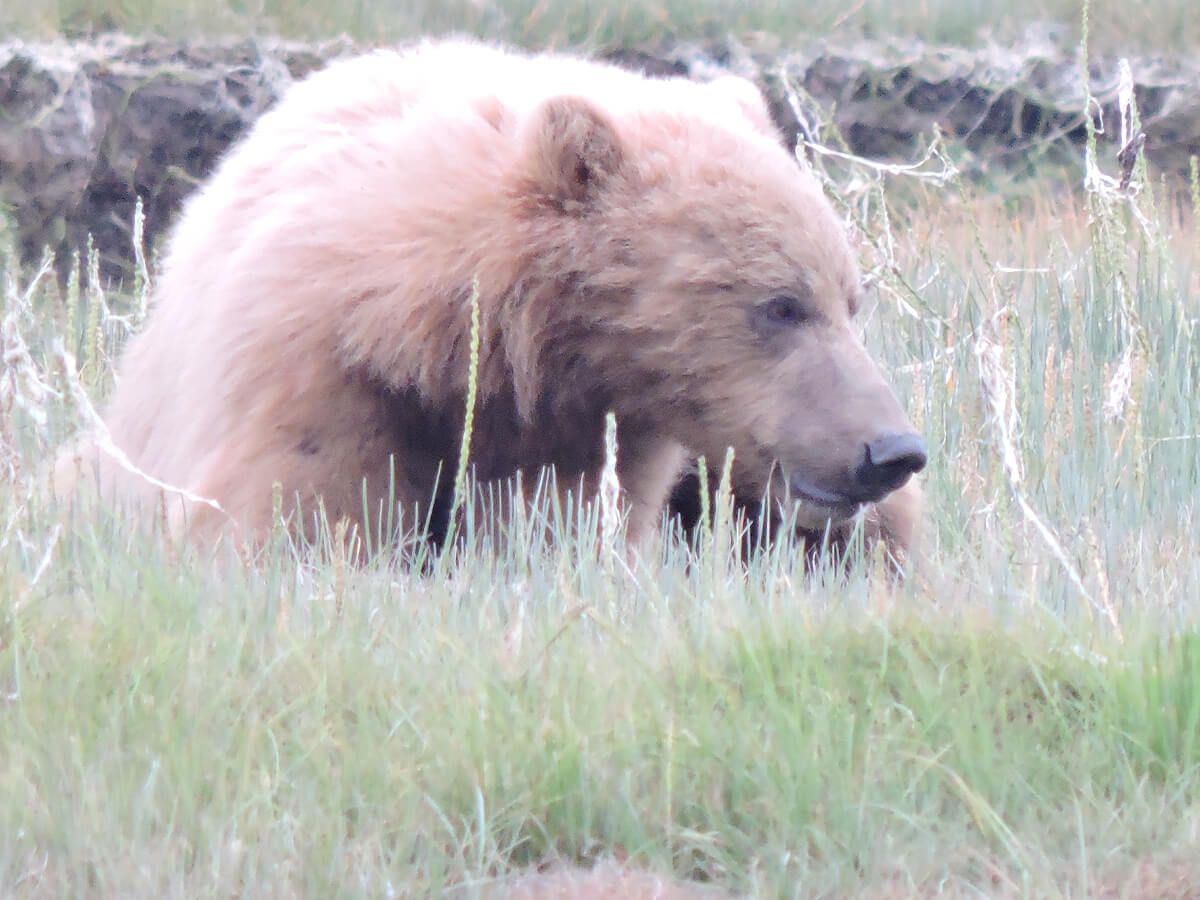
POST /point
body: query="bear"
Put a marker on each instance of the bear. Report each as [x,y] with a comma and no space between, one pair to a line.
[645,247]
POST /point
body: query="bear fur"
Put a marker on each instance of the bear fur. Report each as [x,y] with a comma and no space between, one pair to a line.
[643,246]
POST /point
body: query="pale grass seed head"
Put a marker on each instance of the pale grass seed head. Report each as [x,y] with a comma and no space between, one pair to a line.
[610,486]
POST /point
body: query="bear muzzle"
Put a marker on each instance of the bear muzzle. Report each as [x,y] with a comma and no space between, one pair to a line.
[885,465]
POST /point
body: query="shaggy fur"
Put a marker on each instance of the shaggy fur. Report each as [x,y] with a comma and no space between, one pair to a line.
[630,238]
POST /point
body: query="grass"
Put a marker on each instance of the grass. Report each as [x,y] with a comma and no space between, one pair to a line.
[1020,718]
[190,744]
[1152,26]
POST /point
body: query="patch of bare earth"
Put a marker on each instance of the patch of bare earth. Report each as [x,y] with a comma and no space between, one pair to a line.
[606,880]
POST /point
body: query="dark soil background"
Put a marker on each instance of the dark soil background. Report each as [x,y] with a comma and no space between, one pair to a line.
[90,126]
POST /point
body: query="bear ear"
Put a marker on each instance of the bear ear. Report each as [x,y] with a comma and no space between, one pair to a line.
[573,151]
[750,101]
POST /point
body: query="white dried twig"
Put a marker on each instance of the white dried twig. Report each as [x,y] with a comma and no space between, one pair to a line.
[610,484]
[102,438]
[21,382]
[999,383]
[1118,393]
[143,270]
[807,139]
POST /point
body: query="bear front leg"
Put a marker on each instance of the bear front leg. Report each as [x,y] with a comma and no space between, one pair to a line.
[648,468]
[893,521]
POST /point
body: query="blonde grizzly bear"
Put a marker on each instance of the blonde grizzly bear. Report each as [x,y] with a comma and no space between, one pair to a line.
[642,246]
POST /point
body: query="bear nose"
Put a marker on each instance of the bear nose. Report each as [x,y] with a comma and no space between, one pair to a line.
[887,463]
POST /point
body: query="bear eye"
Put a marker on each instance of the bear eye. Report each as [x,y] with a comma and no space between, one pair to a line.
[784,310]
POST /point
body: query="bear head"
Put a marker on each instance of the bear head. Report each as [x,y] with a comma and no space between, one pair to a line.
[693,275]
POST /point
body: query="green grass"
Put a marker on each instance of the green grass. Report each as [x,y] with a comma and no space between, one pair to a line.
[1151,26]
[1020,718]
[174,733]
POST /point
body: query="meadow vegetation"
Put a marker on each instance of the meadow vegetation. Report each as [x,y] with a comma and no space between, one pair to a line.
[1020,717]
[1149,26]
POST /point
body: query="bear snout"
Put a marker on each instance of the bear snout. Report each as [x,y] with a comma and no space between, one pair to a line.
[887,463]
